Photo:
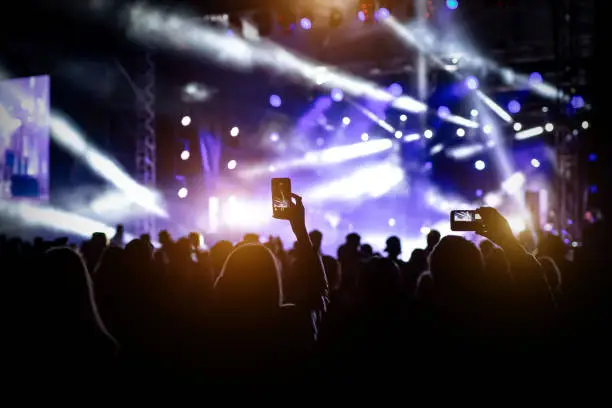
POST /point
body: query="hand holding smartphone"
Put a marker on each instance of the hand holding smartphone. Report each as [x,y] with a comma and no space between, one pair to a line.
[281,198]
[465,220]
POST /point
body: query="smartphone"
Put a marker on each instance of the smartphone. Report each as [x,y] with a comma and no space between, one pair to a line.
[281,198]
[465,220]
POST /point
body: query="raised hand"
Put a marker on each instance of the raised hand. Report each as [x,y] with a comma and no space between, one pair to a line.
[495,227]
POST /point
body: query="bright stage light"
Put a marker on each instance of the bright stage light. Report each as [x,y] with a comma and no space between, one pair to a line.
[487,129]
[398,134]
[474,113]
[549,127]
[425,230]
[577,102]
[382,13]
[186,121]
[443,111]
[232,164]
[514,106]
[535,78]
[337,95]
[472,83]
[428,134]
[305,23]
[234,131]
[185,155]
[535,163]
[391,222]
[275,101]
[460,132]
[412,137]
[585,125]
[365,137]
[452,4]
[182,193]
[346,121]
[517,127]
[396,90]
[479,165]
[274,137]
[403,117]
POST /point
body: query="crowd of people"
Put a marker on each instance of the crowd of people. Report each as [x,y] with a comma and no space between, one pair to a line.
[254,312]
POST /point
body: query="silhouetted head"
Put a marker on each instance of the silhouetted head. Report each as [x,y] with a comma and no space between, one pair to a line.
[250,279]
[433,237]
[219,253]
[366,250]
[119,229]
[99,239]
[353,240]
[164,237]
[137,251]
[394,247]
[316,237]
[251,238]
[456,264]
[418,260]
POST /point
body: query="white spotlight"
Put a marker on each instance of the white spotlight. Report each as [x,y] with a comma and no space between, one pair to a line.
[474,113]
[549,127]
[391,222]
[403,118]
[517,127]
[365,137]
[186,121]
[346,121]
[479,165]
[428,134]
[425,230]
[182,193]
[234,131]
[585,125]
[398,134]
[231,164]
[460,132]
[185,155]
[535,163]
[487,129]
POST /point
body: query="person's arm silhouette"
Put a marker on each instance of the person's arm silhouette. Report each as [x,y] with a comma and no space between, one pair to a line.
[315,284]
